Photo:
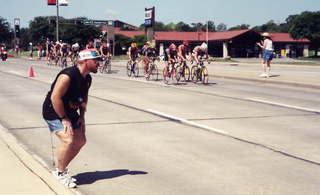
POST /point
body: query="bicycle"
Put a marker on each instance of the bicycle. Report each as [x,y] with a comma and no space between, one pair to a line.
[63,62]
[152,71]
[74,58]
[106,67]
[200,73]
[183,71]
[132,68]
[170,73]
[51,59]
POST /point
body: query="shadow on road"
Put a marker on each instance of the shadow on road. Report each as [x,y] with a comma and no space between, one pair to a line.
[91,177]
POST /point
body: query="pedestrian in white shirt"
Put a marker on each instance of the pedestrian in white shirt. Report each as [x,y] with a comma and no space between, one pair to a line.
[267,54]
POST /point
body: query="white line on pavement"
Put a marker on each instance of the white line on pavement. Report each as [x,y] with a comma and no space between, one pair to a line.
[187,122]
[283,105]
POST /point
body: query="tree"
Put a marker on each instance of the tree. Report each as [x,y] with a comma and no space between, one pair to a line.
[40,29]
[211,26]
[70,31]
[122,44]
[5,33]
[221,27]
[183,27]
[306,25]
[140,40]
[240,27]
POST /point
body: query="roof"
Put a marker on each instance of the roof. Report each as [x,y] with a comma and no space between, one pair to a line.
[212,36]
[285,37]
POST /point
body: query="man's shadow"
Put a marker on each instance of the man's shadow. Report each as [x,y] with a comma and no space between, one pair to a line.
[91,177]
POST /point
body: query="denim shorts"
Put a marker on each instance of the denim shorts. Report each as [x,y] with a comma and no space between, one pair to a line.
[267,54]
[56,125]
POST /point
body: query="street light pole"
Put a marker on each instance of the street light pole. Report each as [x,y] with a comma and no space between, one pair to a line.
[207,35]
[57,21]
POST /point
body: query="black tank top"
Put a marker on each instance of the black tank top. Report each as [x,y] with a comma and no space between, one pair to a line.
[76,94]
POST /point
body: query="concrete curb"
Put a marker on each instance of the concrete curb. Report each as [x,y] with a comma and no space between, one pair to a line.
[32,164]
[269,81]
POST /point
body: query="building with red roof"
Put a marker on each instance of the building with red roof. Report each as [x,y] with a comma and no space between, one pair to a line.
[237,43]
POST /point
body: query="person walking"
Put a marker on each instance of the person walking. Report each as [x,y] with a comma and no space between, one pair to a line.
[64,111]
[267,54]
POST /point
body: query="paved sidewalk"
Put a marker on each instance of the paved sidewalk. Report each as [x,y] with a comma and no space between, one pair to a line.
[21,174]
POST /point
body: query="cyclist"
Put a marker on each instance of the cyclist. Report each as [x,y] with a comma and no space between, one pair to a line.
[57,50]
[49,47]
[184,51]
[200,51]
[75,48]
[64,52]
[170,57]
[133,52]
[105,50]
[148,53]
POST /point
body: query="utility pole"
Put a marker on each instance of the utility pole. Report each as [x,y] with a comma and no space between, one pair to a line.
[207,35]
[57,21]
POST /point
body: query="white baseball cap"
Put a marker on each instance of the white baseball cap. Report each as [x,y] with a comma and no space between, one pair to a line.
[89,54]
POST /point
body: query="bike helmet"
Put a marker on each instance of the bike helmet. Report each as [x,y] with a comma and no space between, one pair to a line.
[173,46]
[204,46]
[133,44]
[185,42]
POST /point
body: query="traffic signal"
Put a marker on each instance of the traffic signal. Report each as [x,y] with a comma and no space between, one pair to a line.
[17,30]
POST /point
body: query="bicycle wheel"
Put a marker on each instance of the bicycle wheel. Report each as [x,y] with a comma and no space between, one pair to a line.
[178,72]
[194,74]
[135,69]
[129,68]
[154,72]
[204,75]
[108,64]
[186,73]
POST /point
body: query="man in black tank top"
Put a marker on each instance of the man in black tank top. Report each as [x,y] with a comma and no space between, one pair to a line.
[64,109]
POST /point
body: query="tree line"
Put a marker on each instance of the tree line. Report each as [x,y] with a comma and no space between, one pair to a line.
[303,25]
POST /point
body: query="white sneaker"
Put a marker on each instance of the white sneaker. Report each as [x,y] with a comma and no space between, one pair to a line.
[263,75]
[65,178]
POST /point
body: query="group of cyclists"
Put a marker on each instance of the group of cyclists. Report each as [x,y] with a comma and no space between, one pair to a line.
[58,52]
[172,55]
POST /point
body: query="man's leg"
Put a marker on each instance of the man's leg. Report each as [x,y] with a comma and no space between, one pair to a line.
[69,147]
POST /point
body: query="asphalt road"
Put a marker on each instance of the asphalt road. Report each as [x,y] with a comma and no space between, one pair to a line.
[145,137]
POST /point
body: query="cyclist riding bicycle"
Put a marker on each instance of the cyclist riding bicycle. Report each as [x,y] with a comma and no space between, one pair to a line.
[200,51]
[133,52]
[148,52]
[170,57]
[75,48]
[184,51]
[50,49]
[57,50]
[105,50]
[64,52]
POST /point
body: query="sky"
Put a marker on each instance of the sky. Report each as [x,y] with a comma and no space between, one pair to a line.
[229,12]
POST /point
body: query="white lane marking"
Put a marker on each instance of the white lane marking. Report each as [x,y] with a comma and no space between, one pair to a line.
[188,122]
[283,105]
[16,73]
